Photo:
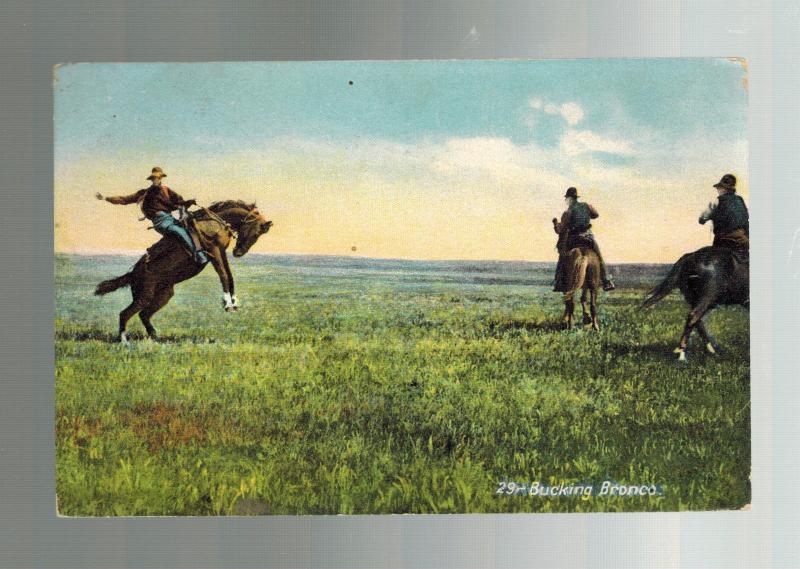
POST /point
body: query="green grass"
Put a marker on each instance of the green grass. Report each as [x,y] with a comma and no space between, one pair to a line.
[336,391]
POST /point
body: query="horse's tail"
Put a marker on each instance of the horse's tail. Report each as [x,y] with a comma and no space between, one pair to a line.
[579,263]
[669,283]
[113,284]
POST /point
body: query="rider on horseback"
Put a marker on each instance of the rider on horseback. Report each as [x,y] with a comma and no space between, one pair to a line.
[574,230]
[157,203]
[730,217]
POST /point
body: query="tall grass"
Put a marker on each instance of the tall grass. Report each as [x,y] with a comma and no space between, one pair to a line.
[337,391]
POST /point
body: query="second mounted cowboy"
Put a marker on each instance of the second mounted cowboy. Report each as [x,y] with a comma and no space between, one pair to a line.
[574,230]
[729,217]
[157,203]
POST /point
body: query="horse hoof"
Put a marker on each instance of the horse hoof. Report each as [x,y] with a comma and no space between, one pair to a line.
[123,339]
[712,349]
[682,356]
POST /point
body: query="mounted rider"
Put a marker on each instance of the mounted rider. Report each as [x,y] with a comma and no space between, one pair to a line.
[574,230]
[157,203]
[730,218]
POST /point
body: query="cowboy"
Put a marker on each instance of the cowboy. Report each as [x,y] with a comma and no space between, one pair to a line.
[157,203]
[730,217]
[574,230]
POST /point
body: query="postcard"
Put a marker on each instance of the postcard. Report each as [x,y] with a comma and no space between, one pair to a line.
[401,287]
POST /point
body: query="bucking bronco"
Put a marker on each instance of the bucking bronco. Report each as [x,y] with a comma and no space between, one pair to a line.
[168,262]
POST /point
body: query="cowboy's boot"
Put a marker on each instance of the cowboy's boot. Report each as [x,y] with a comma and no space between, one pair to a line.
[608,284]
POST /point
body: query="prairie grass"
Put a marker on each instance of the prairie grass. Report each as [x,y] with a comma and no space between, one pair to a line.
[359,388]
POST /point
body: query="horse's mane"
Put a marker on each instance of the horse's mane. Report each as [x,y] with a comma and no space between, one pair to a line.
[216,207]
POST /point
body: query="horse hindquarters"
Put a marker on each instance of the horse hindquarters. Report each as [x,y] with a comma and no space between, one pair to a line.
[159,300]
[576,275]
[152,285]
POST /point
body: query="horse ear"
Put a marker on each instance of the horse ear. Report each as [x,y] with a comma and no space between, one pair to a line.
[253,205]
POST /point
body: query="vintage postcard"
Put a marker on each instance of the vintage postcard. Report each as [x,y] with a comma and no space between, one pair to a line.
[390,287]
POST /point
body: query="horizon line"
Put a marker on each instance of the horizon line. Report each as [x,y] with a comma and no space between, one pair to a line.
[132,253]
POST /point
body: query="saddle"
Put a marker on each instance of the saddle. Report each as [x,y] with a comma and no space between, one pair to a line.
[167,242]
[189,224]
[738,242]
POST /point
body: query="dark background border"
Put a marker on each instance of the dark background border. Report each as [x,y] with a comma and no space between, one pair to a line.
[36,34]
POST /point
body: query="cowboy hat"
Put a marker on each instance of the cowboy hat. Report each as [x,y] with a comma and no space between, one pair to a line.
[571,193]
[728,182]
[156,173]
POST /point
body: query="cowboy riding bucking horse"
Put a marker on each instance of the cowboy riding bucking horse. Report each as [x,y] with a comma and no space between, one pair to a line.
[199,238]
[157,203]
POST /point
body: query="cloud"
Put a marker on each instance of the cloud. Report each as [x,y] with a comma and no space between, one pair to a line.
[575,142]
[571,112]
[497,161]
[552,109]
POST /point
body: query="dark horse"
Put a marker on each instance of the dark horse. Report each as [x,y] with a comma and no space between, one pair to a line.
[708,277]
[167,263]
[581,267]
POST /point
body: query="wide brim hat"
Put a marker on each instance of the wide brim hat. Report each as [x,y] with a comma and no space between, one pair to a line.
[571,193]
[156,173]
[728,182]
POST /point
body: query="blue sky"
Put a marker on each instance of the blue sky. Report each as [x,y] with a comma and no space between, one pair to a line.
[599,124]
[244,103]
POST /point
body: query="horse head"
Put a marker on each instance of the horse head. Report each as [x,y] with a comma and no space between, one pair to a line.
[253,226]
[245,219]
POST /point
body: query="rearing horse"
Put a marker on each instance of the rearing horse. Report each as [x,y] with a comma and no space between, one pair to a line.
[167,263]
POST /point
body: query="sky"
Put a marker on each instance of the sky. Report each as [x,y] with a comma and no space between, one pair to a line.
[406,159]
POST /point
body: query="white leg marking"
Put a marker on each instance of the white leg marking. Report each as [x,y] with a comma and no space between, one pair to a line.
[227,302]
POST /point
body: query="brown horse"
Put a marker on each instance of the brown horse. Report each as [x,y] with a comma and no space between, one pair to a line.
[581,272]
[167,263]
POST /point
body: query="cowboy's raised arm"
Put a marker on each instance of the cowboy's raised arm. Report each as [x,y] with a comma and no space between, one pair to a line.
[592,212]
[708,214]
[122,200]
[561,226]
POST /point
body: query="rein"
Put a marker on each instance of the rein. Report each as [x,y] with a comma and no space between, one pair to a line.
[214,217]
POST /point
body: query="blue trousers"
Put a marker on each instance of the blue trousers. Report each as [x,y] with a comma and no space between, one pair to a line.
[165,224]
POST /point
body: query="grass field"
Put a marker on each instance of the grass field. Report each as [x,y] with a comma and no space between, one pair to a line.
[353,386]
